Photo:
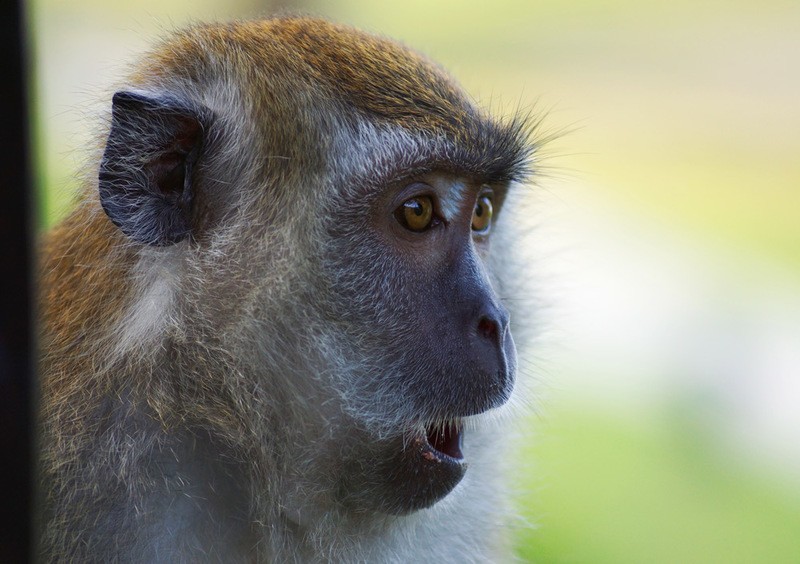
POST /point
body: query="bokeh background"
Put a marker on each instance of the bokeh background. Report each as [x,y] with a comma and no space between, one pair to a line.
[666,421]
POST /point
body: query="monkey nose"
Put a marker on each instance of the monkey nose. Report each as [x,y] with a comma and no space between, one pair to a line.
[492,343]
[493,326]
[488,329]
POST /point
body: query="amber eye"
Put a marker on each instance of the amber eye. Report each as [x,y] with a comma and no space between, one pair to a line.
[482,215]
[416,214]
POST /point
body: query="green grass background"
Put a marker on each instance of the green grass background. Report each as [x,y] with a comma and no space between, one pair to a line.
[612,489]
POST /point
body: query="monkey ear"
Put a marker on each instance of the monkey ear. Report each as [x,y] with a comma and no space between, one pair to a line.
[146,170]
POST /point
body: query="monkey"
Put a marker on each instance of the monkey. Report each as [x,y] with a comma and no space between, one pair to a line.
[273,327]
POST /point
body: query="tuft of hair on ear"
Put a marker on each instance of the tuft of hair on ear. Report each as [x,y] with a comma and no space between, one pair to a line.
[145,177]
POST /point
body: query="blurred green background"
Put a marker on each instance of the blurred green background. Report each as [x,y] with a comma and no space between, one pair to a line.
[666,392]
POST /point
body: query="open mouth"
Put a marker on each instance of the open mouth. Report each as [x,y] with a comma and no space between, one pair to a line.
[414,470]
[444,442]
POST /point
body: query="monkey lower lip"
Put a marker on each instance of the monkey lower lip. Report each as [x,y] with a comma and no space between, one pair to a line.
[446,439]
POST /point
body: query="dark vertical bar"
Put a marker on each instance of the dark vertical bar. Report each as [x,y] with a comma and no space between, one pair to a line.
[15,291]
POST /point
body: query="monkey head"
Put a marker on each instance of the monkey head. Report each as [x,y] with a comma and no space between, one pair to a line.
[312,210]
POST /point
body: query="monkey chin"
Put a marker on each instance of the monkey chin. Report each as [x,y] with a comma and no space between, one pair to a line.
[434,462]
[415,470]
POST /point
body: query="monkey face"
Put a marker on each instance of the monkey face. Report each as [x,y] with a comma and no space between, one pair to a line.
[311,211]
[420,304]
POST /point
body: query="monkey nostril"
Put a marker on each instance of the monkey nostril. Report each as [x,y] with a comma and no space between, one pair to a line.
[487,329]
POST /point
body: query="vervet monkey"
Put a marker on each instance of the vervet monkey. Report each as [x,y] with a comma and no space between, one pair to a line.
[271,330]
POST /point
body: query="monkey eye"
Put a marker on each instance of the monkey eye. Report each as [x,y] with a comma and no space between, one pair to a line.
[482,214]
[416,214]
